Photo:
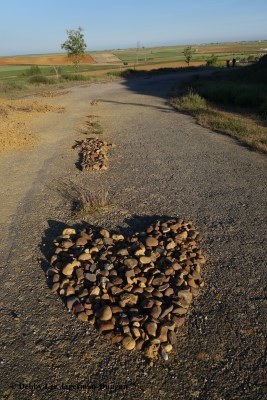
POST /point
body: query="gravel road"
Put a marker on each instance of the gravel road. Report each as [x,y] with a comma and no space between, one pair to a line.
[163,165]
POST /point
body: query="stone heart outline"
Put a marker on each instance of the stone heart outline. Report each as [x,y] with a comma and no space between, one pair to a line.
[135,290]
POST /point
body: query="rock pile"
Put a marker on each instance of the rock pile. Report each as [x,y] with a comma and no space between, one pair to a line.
[93,154]
[135,290]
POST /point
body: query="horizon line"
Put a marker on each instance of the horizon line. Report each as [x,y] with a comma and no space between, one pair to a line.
[149,47]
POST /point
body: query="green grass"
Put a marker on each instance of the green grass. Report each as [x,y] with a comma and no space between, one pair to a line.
[242,88]
[92,128]
[247,131]
[175,53]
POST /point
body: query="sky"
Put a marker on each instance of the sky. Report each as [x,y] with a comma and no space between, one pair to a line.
[36,27]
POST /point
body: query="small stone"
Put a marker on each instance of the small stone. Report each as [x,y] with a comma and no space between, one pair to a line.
[117,237]
[116,309]
[139,344]
[81,241]
[123,252]
[68,269]
[174,227]
[163,330]
[148,303]
[108,241]
[158,280]
[91,319]
[130,263]
[167,347]
[82,316]
[150,229]
[79,273]
[166,312]
[71,300]
[130,273]
[94,250]
[162,288]
[185,298]
[155,312]
[126,330]
[165,229]
[151,242]
[90,277]
[179,310]
[128,343]
[136,332]
[105,233]
[106,326]
[54,259]
[77,308]
[176,266]
[169,292]
[84,257]
[123,321]
[192,283]
[117,338]
[181,236]
[69,231]
[169,271]
[151,328]
[116,280]
[115,290]
[178,321]
[171,245]
[152,350]
[145,260]
[70,290]
[172,338]
[105,314]
[55,287]
[95,291]
[140,252]
[157,294]
[128,299]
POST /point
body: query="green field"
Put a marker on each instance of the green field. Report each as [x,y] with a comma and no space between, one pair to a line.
[201,52]
[16,78]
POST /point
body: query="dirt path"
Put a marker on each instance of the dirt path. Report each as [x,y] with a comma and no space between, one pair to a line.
[164,164]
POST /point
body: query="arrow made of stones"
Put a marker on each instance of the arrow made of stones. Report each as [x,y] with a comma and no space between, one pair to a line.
[93,154]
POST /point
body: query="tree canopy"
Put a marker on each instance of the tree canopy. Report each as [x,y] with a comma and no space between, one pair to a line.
[75,45]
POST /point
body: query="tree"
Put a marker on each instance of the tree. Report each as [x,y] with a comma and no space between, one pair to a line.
[212,60]
[188,54]
[75,45]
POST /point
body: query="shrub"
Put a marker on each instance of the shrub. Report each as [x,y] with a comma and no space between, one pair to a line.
[88,202]
[75,77]
[212,61]
[41,79]
[32,71]
[115,73]
[190,102]
[10,86]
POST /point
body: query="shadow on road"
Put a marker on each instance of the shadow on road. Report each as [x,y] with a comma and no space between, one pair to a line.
[121,103]
[161,82]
